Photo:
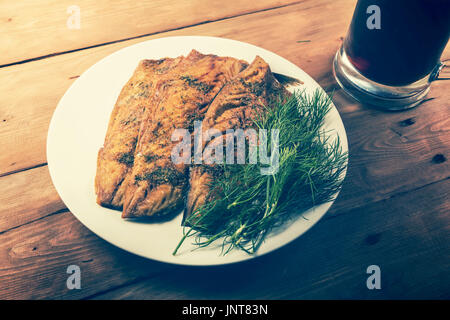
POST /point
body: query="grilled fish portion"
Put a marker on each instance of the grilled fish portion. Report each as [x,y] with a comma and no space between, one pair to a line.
[116,157]
[235,106]
[156,185]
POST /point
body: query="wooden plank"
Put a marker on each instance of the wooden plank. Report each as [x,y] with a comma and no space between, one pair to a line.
[29,102]
[35,257]
[390,153]
[407,236]
[31,29]
[382,162]
[368,158]
[27,196]
[393,152]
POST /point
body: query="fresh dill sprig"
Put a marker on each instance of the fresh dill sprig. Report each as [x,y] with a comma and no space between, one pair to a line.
[250,204]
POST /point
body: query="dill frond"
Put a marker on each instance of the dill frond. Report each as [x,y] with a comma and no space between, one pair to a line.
[252,204]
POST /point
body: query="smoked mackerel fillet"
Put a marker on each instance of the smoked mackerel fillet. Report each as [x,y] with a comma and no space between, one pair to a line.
[235,107]
[157,185]
[116,157]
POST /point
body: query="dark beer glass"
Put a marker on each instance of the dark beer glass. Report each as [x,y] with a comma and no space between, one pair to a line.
[392,51]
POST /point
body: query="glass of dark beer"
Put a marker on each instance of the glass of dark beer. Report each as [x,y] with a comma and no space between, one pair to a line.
[392,51]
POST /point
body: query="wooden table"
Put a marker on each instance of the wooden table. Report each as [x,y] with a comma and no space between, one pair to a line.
[393,211]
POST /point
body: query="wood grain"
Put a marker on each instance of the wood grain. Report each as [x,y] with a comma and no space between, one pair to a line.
[398,234]
[387,157]
[25,116]
[357,191]
[34,259]
[31,29]
[394,152]
[392,211]
[27,196]
[382,163]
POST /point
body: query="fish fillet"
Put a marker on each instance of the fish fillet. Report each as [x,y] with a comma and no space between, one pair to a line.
[234,108]
[156,185]
[116,157]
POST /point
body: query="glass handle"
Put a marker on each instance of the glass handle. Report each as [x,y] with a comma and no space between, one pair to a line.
[441,72]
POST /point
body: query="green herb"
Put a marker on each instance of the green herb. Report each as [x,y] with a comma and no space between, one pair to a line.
[126,158]
[161,175]
[191,118]
[201,86]
[151,157]
[162,70]
[250,204]
[131,119]
[255,88]
[144,90]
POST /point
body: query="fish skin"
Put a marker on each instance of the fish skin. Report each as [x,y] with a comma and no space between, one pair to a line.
[115,158]
[235,107]
[157,186]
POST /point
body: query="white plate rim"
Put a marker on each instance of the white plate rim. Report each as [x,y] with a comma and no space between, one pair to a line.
[195,42]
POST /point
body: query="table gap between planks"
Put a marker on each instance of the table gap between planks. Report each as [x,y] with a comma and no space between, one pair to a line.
[393,210]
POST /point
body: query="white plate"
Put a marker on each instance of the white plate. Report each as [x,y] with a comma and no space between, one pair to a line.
[77,131]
